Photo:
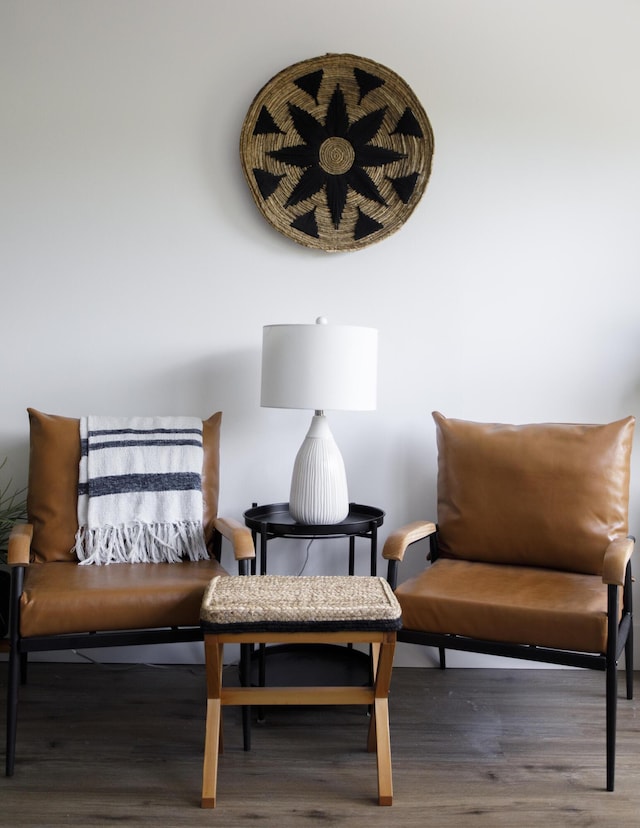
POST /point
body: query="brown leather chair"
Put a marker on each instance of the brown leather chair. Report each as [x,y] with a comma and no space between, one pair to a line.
[530,557]
[57,604]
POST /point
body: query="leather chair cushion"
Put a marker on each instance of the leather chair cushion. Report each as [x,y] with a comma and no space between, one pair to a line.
[548,495]
[54,458]
[64,597]
[512,604]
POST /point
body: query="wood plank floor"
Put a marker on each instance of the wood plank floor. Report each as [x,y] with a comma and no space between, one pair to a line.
[100,745]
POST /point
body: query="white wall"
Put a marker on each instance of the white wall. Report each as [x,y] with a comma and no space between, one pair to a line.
[137,272]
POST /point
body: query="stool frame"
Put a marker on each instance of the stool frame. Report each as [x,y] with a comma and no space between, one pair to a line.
[374,695]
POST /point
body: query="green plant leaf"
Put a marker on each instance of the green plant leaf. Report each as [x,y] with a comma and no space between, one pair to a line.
[13,509]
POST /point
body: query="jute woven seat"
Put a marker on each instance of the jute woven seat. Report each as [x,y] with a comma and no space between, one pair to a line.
[273,609]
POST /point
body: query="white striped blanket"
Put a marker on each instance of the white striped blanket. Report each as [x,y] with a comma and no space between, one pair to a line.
[140,490]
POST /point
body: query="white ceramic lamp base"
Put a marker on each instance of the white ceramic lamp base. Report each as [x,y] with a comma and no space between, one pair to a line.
[319,493]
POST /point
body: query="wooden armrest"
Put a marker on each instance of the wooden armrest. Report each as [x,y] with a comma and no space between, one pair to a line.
[397,543]
[616,558]
[19,547]
[238,535]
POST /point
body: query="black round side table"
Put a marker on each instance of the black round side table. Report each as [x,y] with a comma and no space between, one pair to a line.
[274,521]
[311,664]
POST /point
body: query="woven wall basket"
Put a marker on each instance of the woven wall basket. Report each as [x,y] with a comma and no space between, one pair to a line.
[336,151]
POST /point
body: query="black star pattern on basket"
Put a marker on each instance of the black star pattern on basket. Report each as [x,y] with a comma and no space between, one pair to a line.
[335,154]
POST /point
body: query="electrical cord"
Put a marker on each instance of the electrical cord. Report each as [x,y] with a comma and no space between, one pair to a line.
[306,559]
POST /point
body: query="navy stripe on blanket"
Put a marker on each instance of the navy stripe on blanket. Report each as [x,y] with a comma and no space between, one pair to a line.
[122,483]
[84,444]
[102,431]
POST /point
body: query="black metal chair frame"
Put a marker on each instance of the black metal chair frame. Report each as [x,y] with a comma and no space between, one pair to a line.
[21,647]
[619,638]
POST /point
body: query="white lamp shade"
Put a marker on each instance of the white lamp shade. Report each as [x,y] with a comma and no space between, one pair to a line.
[319,367]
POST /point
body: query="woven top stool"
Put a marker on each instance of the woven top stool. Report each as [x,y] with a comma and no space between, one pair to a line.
[274,609]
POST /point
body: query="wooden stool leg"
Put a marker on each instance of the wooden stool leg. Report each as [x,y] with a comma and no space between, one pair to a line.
[375,661]
[379,726]
[383,755]
[213,730]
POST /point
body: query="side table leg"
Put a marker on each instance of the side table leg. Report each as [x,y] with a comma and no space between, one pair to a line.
[246,651]
[374,649]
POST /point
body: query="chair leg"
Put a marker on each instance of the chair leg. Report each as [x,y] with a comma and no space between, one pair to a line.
[627,607]
[612,704]
[628,662]
[443,658]
[612,681]
[12,710]
[17,667]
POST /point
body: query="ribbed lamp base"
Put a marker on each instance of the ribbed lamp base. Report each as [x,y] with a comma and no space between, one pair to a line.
[319,493]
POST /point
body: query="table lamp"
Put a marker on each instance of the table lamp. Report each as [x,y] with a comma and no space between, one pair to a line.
[319,367]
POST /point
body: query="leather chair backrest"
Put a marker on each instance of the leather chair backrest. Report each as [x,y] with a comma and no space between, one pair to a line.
[52,495]
[549,495]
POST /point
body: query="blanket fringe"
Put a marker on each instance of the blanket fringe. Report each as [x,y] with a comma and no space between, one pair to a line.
[141,543]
